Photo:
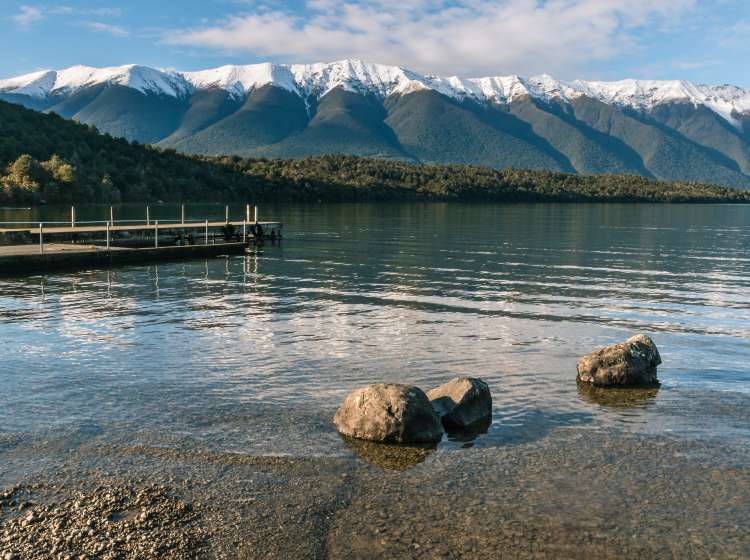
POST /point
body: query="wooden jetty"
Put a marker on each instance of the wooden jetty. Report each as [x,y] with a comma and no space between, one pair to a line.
[110,243]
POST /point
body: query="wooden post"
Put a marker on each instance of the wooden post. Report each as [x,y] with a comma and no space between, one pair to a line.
[156,234]
[111,216]
[148,217]
[247,212]
[183,213]
[72,216]
[107,237]
[226,214]
[41,238]
[206,232]
[256,214]
[244,230]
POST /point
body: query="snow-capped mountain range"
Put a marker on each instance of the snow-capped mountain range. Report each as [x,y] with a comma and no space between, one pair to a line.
[665,129]
[316,80]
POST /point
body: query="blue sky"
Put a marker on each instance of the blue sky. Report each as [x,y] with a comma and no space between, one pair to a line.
[706,41]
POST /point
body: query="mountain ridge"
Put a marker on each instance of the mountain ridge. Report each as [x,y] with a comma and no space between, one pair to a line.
[318,79]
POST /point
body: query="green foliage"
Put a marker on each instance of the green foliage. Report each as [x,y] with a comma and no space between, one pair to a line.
[44,158]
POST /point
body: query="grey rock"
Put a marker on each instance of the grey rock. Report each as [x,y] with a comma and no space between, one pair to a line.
[462,402]
[388,413]
[629,364]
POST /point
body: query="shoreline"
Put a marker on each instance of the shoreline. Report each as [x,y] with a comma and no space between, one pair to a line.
[553,497]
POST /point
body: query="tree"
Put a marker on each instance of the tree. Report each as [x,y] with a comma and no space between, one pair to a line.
[60,170]
[25,173]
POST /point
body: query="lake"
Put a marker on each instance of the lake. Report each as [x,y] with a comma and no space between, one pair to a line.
[250,355]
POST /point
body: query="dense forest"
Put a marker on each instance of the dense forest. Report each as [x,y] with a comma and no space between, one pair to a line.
[47,159]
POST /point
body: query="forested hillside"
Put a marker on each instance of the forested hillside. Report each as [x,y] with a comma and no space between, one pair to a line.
[47,159]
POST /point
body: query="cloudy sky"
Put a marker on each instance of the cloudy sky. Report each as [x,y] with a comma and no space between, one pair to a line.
[702,40]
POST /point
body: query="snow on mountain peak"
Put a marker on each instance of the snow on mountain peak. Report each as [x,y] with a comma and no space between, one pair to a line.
[36,84]
[728,102]
[62,82]
[357,76]
[240,79]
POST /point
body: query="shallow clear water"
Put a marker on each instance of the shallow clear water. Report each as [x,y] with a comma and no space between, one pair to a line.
[252,354]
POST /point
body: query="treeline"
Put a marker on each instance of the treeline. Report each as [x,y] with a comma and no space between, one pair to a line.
[47,159]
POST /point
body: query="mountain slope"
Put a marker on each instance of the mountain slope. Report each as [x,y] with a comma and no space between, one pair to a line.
[344,122]
[267,116]
[435,128]
[206,107]
[588,150]
[664,152]
[125,112]
[704,127]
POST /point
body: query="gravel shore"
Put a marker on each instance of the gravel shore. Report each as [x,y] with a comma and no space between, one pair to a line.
[568,496]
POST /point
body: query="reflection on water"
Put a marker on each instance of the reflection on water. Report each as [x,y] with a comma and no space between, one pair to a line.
[468,434]
[416,294]
[618,397]
[393,457]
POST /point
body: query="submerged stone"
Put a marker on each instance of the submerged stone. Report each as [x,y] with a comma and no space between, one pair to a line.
[388,413]
[629,364]
[462,402]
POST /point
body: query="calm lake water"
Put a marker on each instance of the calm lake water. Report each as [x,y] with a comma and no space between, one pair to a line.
[252,354]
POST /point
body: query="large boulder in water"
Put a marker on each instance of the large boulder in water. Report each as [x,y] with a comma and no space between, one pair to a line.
[461,403]
[388,413]
[629,364]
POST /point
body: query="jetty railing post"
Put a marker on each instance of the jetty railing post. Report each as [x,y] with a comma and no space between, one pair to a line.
[206,232]
[226,214]
[41,238]
[111,216]
[244,231]
[183,214]
[247,212]
[256,214]
[72,216]
[107,237]
[148,217]
[156,234]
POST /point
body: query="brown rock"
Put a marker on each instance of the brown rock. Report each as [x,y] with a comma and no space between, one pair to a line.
[628,364]
[462,402]
[388,413]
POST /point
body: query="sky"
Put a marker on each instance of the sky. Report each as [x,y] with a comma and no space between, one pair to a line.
[706,41]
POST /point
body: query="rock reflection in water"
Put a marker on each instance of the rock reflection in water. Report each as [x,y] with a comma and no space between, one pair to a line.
[393,457]
[618,397]
[468,435]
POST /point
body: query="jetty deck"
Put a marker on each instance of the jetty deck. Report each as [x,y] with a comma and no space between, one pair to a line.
[38,247]
[20,250]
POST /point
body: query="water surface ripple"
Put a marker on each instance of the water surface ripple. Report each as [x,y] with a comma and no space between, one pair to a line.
[253,353]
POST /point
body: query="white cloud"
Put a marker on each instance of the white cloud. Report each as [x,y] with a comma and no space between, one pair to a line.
[695,64]
[467,36]
[114,30]
[27,16]
[734,36]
